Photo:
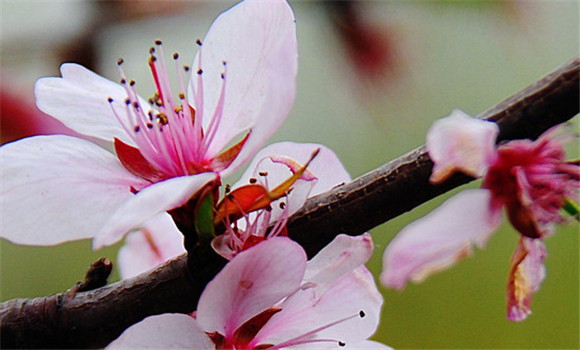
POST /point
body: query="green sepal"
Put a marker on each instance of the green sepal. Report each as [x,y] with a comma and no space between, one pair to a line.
[572,208]
[204,219]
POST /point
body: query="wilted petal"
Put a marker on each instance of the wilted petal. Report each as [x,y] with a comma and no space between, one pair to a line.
[333,310]
[157,242]
[149,202]
[167,331]
[80,101]
[51,180]
[253,281]
[257,39]
[526,275]
[461,143]
[341,256]
[441,238]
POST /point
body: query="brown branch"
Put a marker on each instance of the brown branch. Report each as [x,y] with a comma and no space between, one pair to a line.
[403,183]
[96,317]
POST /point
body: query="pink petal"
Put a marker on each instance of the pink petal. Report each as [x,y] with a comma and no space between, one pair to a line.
[80,100]
[326,167]
[157,242]
[461,143]
[341,256]
[526,275]
[438,240]
[59,188]
[316,306]
[252,282]
[257,39]
[149,202]
[167,331]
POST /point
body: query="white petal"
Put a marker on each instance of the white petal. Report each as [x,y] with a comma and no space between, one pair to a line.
[167,331]
[341,256]
[157,242]
[257,39]
[59,188]
[80,101]
[253,281]
[149,202]
[461,143]
[438,240]
[312,308]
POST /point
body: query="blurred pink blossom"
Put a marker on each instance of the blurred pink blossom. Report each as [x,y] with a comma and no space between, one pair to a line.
[530,179]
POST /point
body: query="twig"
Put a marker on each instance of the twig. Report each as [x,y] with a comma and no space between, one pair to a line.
[96,317]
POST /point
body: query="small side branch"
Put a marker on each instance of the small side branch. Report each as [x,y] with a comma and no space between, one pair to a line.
[95,317]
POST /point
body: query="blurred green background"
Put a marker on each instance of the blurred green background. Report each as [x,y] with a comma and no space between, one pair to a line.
[437,56]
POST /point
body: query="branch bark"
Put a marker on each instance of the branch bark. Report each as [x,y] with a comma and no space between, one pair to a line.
[96,317]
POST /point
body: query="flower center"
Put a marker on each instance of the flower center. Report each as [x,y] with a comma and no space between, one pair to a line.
[532,180]
[168,132]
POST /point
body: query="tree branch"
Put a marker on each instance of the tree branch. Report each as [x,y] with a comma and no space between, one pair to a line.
[94,318]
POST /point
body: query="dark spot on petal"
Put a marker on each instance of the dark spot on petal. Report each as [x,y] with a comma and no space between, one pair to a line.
[246,284]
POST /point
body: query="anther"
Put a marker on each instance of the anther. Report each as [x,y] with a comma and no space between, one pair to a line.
[253,180]
[228,188]
[120,61]
[361,313]
[123,81]
[127,101]
[135,104]
[153,59]
[137,128]
[263,173]
[182,95]
[198,42]
[151,50]
[223,76]
[175,56]
[149,125]
[282,205]
[186,68]
[110,100]
[200,71]
[341,344]
[132,83]
[158,42]
[224,63]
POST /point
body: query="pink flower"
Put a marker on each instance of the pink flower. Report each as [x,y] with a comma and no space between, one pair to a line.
[530,179]
[60,188]
[160,240]
[270,171]
[269,296]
